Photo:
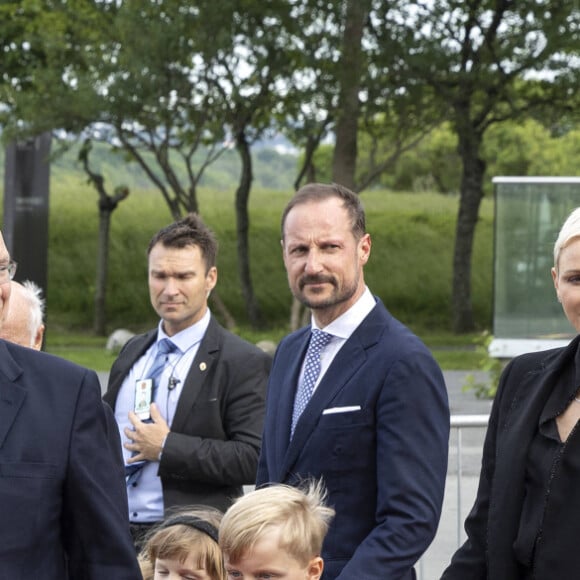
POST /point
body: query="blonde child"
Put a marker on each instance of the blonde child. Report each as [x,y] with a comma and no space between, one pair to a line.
[184,547]
[276,532]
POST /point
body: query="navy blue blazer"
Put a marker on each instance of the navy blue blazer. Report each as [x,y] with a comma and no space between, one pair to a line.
[63,501]
[376,431]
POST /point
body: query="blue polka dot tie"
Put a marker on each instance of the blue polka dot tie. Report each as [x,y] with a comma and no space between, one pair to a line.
[318,340]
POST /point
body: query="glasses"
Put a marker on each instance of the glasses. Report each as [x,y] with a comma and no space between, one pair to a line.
[7,271]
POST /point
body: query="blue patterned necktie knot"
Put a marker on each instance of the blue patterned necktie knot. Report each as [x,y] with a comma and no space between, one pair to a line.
[164,348]
[318,340]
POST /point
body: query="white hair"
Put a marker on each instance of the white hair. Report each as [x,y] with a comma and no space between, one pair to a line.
[32,293]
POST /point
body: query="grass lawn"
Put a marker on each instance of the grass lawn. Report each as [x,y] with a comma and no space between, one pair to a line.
[410,269]
[451,351]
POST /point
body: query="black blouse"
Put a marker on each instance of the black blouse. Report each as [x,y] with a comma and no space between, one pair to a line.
[552,488]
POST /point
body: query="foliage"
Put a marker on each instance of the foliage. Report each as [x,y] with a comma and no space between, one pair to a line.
[517,148]
[272,170]
[492,366]
[173,84]
[529,148]
[486,62]
[433,165]
[162,81]
[168,83]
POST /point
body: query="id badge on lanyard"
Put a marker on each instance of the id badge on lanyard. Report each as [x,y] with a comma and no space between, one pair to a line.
[143,397]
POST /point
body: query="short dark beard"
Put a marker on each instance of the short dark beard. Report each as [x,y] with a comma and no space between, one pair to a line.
[333,300]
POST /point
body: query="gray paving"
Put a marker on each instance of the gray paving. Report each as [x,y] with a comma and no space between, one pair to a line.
[450,533]
[456,505]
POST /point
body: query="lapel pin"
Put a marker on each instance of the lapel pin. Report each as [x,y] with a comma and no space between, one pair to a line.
[202,366]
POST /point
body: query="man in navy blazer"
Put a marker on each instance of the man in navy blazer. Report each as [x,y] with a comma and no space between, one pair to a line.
[376,427]
[63,502]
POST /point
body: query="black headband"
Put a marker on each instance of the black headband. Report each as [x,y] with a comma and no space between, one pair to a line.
[192,522]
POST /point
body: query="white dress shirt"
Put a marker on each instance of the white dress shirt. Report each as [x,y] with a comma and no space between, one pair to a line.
[341,330]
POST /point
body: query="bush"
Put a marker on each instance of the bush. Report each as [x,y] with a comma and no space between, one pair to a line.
[493,366]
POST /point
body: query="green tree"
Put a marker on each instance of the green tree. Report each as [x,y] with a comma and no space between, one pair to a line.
[135,76]
[350,78]
[36,39]
[107,204]
[345,88]
[486,61]
[530,148]
[247,77]
[168,83]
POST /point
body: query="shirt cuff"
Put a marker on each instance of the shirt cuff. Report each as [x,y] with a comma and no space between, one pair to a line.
[162,446]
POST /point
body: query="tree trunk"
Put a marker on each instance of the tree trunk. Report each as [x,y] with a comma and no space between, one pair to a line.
[471,193]
[345,149]
[107,205]
[102,271]
[222,310]
[243,227]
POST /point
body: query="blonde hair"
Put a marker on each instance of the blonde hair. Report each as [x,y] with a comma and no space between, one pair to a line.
[299,514]
[569,231]
[181,534]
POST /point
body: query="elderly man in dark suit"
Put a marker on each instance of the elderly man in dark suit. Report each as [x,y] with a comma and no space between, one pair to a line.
[355,399]
[63,502]
[199,440]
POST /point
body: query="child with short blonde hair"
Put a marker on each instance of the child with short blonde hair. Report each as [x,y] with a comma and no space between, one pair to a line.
[276,530]
[185,544]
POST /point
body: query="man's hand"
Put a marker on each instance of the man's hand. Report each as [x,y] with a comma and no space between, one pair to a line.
[146,439]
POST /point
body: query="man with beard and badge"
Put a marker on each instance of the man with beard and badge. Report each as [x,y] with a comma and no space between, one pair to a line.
[355,399]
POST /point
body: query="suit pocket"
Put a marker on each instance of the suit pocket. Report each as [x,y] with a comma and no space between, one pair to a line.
[343,420]
[28,470]
[31,493]
[347,437]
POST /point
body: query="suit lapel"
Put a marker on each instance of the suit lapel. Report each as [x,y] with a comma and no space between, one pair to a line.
[346,363]
[282,416]
[521,420]
[126,359]
[197,377]
[336,378]
[11,396]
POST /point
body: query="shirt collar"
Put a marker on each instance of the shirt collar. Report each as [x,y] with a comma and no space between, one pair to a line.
[348,321]
[189,336]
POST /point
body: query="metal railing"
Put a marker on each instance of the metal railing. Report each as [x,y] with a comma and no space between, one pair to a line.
[459,423]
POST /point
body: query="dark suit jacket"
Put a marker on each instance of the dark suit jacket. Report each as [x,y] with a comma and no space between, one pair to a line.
[494,520]
[384,465]
[62,486]
[214,443]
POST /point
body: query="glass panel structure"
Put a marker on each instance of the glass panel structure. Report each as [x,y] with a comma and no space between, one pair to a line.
[528,215]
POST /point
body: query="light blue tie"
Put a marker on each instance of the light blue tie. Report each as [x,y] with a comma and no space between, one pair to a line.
[318,340]
[164,348]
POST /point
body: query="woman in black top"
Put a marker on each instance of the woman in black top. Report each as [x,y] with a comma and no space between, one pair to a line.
[525,523]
